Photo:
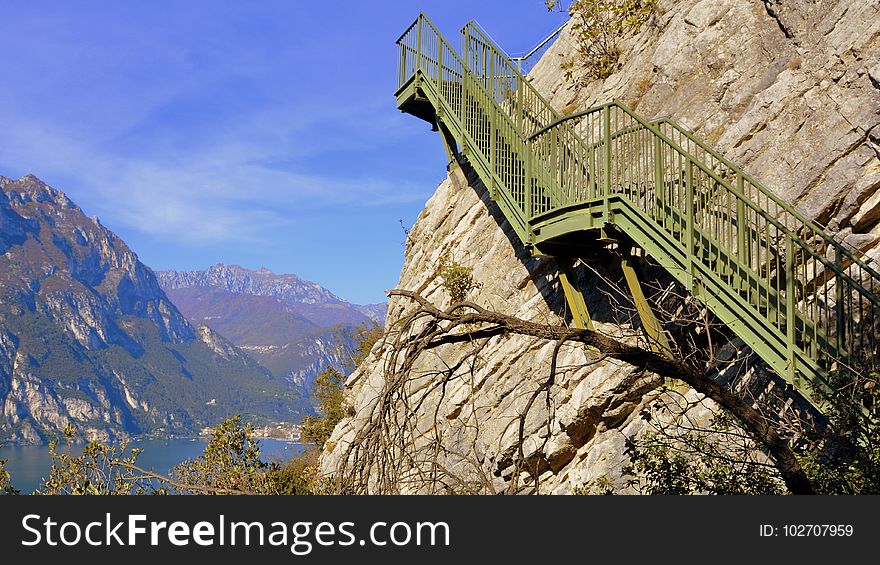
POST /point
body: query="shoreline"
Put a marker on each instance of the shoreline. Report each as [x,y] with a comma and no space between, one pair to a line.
[133,439]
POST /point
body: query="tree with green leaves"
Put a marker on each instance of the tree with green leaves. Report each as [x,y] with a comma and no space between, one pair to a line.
[230,464]
[101,469]
[842,456]
[330,394]
[5,479]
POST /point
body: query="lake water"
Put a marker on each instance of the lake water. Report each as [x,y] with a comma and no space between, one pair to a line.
[29,464]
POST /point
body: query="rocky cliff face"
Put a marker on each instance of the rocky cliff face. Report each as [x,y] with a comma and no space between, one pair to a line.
[86,275]
[789,90]
[88,338]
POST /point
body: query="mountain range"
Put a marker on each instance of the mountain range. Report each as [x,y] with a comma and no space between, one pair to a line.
[291,326]
[89,338]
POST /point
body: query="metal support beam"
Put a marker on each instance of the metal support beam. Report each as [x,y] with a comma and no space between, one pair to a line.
[576,303]
[448,141]
[653,330]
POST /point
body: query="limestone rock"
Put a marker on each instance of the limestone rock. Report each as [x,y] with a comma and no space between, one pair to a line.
[592,402]
[869,212]
[788,90]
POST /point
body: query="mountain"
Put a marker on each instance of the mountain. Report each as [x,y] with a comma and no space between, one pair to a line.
[293,327]
[88,337]
[305,298]
[375,312]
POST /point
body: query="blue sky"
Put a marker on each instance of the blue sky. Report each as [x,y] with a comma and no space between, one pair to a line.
[260,133]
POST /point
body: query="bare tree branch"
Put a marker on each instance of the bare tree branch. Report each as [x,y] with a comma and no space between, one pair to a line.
[469,318]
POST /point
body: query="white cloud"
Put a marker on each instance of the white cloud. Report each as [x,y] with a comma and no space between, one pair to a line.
[95,115]
[225,190]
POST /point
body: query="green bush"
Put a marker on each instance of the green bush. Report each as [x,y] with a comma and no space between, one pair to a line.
[101,469]
[328,390]
[5,479]
[231,463]
[598,27]
[456,279]
[675,460]
[356,342]
[845,458]
[696,463]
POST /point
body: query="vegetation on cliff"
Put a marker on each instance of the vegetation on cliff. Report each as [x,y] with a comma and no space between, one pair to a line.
[599,26]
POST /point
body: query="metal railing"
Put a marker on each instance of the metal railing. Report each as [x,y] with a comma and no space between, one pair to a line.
[799,298]
[526,60]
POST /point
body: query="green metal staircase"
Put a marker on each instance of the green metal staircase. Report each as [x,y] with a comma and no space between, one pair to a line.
[803,301]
